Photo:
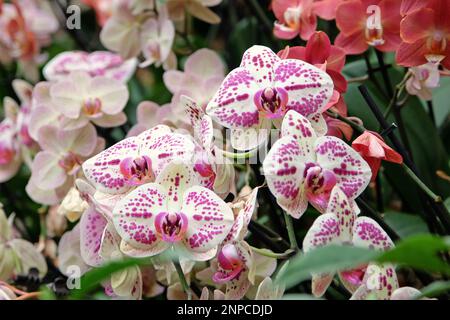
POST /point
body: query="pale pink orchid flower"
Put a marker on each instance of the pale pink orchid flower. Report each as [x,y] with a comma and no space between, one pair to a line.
[16,145]
[199,9]
[10,156]
[203,73]
[261,91]
[130,32]
[56,166]
[157,38]
[121,32]
[340,225]
[83,99]
[25,27]
[175,213]
[75,100]
[302,167]
[423,80]
[18,255]
[149,115]
[98,63]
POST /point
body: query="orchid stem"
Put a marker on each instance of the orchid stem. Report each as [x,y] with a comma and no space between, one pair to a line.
[268,253]
[183,281]
[431,112]
[421,185]
[291,232]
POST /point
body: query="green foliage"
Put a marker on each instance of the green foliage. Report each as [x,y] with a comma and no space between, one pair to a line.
[420,252]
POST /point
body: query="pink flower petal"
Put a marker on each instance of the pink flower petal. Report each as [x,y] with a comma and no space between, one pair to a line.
[103,170]
[367,233]
[232,106]
[210,219]
[92,226]
[309,89]
[260,62]
[163,146]
[176,178]
[352,172]
[283,169]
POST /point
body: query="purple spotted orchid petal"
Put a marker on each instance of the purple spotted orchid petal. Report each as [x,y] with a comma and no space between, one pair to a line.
[134,219]
[299,127]
[106,170]
[232,106]
[201,123]
[324,231]
[176,178]
[260,62]
[240,226]
[379,283]
[367,233]
[210,219]
[319,124]
[284,169]
[92,226]
[345,213]
[309,88]
[351,170]
[164,148]
[110,243]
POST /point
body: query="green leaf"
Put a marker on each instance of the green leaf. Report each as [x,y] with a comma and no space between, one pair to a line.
[441,106]
[405,224]
[322,260]
[434,289]
[420,252]
[91,279]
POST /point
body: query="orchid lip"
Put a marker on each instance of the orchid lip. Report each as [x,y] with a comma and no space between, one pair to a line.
[318,182]
[92,106]
[70,163]
[137,171]
[354,276]
[292,17]
[271,102]
[230,264]
[374,36]
[171,226]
